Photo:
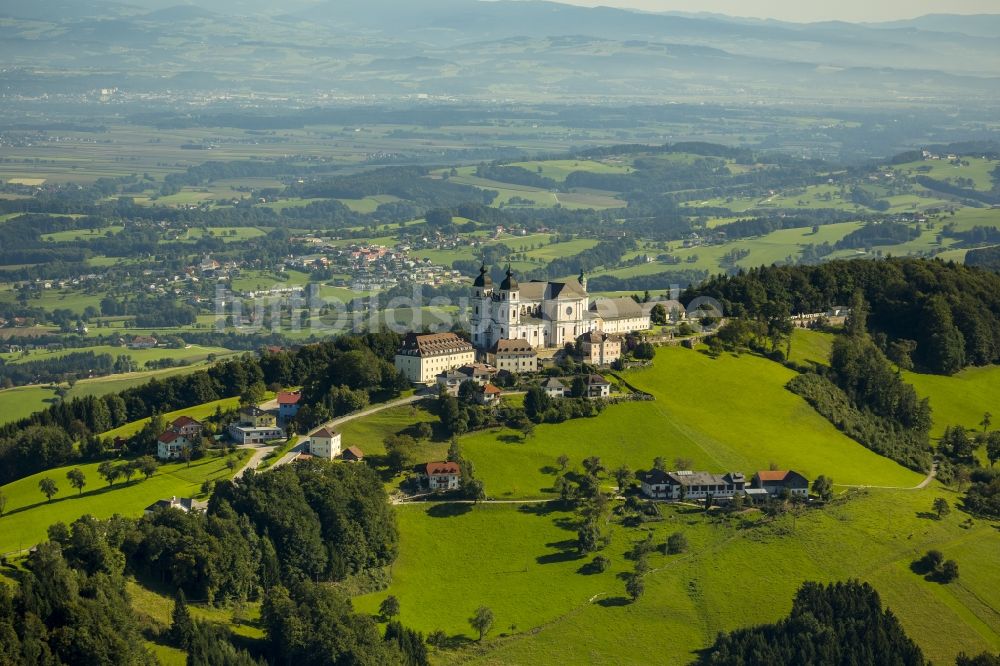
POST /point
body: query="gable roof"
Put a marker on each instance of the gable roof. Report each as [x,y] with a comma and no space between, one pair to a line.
[289,397]
[169,436]
[443,468]
[354,452]
[553,383]
[324,432]
[537,290]
[182,421]
[781,476]
[490,388]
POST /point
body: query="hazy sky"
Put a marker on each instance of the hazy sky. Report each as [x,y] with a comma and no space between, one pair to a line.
[809,10]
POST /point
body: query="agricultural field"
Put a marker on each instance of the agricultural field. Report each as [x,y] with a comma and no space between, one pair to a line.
[28,515]
[960,399]
[189,353]
[978,170]
[519,560]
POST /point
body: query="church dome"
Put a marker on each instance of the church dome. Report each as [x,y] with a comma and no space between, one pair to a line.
[484,279]
[509,283]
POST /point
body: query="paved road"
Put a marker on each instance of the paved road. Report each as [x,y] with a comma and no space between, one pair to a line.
[258,455]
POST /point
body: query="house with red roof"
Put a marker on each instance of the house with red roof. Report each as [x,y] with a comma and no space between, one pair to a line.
[288,404]
[489,396]
[443,476]
[171,445]
[779,483]
[187,426]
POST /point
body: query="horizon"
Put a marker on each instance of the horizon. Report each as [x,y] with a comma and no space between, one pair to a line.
[851,11]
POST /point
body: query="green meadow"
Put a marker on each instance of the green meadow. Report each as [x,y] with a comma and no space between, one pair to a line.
[197,412]
[960,399]
[28,515]
[520,562]
[735,416]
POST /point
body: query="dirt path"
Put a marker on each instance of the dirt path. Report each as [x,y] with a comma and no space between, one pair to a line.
[920,486]
[258,455]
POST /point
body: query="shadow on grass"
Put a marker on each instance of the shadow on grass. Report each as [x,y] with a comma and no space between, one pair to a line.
[614,602]
[448,510]
[542,509]
[510,439]
[75,496]
[558,557]
[589,569]
[455,642]
[927,515]
[548,469]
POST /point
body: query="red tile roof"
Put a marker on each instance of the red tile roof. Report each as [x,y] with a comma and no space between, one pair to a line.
[182,421]
[443,468]
[772,475]
[168,437]
[288,397]
[354,451]
[490,388]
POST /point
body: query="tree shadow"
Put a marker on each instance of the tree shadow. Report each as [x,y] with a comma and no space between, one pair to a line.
[548,469]
[614,602]
[560,556]
[589,569]
[449,510]
[927,515]
[510,439]
[541,509]
[455,642]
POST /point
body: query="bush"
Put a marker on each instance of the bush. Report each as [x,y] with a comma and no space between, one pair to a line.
[676,543]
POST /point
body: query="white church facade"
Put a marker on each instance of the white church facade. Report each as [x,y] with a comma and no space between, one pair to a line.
[545,314]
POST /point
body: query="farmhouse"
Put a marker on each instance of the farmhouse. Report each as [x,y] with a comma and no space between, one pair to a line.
[325,444]
[352,454]
[597,386]
[599,348]
[781,482]
[658,484]
[288,404]
[422,357]
[514,356]
[142,342]
[443,476]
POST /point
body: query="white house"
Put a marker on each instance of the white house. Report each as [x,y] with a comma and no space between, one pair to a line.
[619,315]
[185,504]
[443,476]
[599,348]
[422,357]
[171,445]
[515,356]
[554,388]
[325,444]
[779,482]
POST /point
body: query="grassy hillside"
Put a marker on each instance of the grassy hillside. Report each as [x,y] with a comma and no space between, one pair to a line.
[196,412]
[730,413]
[961,399]
[520,562]
[28,515]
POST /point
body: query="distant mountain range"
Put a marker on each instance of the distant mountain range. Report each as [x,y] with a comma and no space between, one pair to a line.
[487,50]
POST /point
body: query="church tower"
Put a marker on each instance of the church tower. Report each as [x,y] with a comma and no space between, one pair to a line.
[482,310]
[508,308]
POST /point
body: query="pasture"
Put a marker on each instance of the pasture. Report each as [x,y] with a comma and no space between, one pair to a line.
[28,515]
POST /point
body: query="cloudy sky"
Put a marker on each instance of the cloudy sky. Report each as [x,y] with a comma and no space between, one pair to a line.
[808,10]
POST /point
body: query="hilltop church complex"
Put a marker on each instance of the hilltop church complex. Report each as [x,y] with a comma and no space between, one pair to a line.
[546,314]
[511,323]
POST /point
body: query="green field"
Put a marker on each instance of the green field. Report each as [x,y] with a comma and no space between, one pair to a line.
[811,347]
[188,353]
[17,403]
[519,561]
[737,417]
[28,515]
[960,399]
[196,412]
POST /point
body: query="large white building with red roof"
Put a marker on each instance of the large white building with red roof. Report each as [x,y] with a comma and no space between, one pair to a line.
[443,476]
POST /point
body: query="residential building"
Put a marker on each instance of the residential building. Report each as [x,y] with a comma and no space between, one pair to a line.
[187,426]
[353,454]
[658,484]
[185,504]
[490,395]
[325,444]
[450,381]
[554,388]
[599,348]
[255,426]
[422,357]
[288,404]
[780,482]
[515,356]
[171,445]
[619,315]
[443,476]
[597,386]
